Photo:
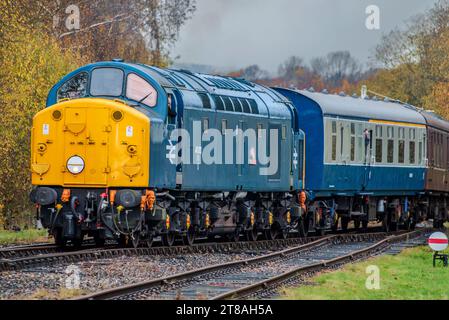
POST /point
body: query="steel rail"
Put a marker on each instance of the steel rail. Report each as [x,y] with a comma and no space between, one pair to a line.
[313,268]
[39,259]
[142,286]
[27,250]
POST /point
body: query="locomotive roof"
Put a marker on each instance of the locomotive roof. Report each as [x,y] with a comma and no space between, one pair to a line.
[354,107]
[196,82]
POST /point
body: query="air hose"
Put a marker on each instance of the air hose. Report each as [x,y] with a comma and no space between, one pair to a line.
[72,207]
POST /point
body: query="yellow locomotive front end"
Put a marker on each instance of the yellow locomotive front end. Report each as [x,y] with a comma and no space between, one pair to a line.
[90,143]
[86,151]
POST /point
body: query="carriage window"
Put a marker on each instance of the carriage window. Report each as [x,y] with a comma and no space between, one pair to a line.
[107,82]
[359,142]
[378,131]
[420,152]
[379,146]
[412,152]
[334,127]
[342,139]
[75,88]
[390,151]
[401,151]
[412,134]
[401,133]
[352,142]
[390,132]
[334,148]
[284,132]
[138,89]
[334,141]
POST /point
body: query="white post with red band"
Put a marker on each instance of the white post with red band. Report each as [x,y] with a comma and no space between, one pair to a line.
[438,241]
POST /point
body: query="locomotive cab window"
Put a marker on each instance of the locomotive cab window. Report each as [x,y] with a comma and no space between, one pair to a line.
[75,88]
[138,89]
[106,82]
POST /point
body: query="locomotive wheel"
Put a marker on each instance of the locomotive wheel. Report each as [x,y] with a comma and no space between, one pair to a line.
[437,224]
[135,239]
[78,243]
[123,241]
[271,234]
[394,226]
[303,227]
[59,240]
[99,241]
[344,223]
[234,237]
[410,224]
[334,226]
[168,239]
[189,238]
[251,235]
[386,223]
[283,234]
[145,237]
[357,224]
[365,225]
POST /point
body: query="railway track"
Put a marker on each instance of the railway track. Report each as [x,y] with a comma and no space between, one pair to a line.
[30,257]
[224,281]
[267,288]
[27,250]
[27,256]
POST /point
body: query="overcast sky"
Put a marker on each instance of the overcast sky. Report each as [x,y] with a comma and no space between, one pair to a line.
[238,33]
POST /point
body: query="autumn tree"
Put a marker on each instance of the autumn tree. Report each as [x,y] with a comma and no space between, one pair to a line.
[136,30]
[31,63]
[415,61]
[337,67]
[37,50]
[295,73]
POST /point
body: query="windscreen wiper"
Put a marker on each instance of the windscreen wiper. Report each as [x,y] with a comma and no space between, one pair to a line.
[147,96]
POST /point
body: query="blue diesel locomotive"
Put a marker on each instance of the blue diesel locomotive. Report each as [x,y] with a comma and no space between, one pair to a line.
[134,198]
[132,152]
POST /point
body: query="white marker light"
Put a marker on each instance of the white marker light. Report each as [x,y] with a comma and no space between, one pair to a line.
[75,165]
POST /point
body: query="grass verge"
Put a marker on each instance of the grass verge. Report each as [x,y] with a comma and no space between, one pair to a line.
[407,276]
[23,237]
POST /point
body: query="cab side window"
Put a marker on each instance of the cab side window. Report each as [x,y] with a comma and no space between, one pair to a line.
[75,88]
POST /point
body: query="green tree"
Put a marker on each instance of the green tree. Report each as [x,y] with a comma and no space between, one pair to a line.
[31,63]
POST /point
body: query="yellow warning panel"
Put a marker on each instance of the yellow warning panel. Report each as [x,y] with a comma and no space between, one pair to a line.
[90,143]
